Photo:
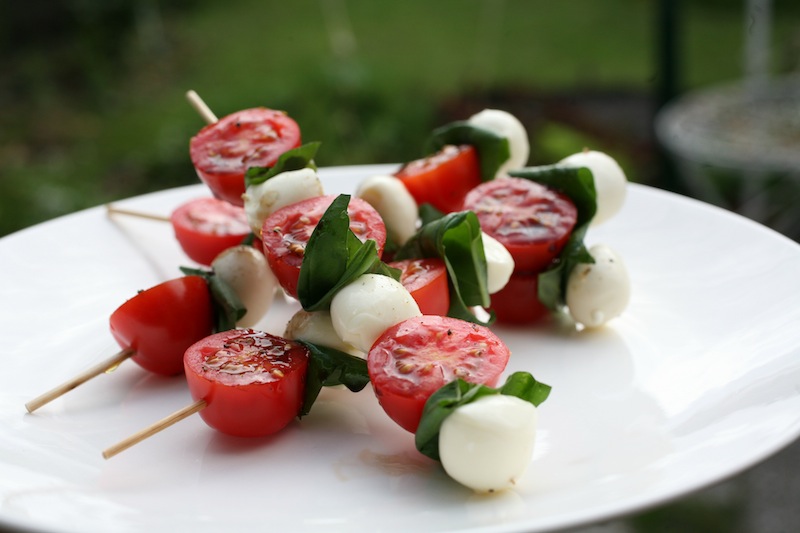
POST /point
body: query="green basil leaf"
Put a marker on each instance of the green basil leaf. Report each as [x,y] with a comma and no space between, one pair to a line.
[294,159]
[428,213]
[453,395]
[456,239]
[227,306]
[493,150]
[329,367]
[335,257]
[578,184]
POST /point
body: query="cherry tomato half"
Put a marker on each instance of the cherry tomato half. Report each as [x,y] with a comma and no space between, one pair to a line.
[444,178]
[252,382]
[207,226]
[285,234]
[518,302]
[223,151]
[415,358]
[426,280]
[532,221]
[161,322]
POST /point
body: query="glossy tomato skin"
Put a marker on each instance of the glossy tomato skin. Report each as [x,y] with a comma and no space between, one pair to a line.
[426,280]
[223,151]
[444,178]
[252,382]
[518,302]
[285,234]
[205,227]
[532,221]
[161,322]
[413,359]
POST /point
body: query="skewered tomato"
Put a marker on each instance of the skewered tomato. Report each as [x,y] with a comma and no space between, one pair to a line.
[426,280]
[413,359]
[205,227]
[223,151]
[252,382]
[518,302]
[285,234]
[161,322]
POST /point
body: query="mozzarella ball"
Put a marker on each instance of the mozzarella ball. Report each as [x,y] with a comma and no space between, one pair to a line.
[487,445]
[394,203]
[286,188]
[364,309]
[599,291]
[246,271]
[316,327]
[499,263]
[505,125]
[610,182]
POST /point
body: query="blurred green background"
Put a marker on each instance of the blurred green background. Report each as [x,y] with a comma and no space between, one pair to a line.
[93,108]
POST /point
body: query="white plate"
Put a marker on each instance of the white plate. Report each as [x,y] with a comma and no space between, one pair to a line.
[696,382]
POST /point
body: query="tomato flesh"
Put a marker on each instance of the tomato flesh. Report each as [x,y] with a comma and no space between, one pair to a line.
[413,359]
[444,178]
[252,382]
[426,281]
[161,322]
[285,234]
[532,221]
[205,227]
[518,302]
[223,151]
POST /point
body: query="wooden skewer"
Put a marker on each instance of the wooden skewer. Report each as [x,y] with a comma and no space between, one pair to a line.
[112,210]
[200,106]
[104,366]
[151,430]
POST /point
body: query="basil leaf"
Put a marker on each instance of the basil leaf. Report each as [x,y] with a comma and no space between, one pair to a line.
[335,257]
[328,367]
[493,150]
[294,159]
[578,184]
[456,239]
[453,395]
[227,306]
[428,213]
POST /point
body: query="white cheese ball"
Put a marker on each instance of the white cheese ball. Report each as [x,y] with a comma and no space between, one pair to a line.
[364,309]
[394,204]
[246,270]
[610,182]
[316,327]
[261,200]
[487,445]
[598,292]
[505,125]
[499,263]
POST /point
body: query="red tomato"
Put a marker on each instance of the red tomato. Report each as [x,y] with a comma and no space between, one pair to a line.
[444,178]
[413,359]
[161,322]
[285,234]
[222,152]
[518,302]
[252,382]
[206,226]
[532,221]
[426,280]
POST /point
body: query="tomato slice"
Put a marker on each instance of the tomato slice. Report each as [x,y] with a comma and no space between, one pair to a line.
[252,382]
[413,359]
[426,280]
[285,234]
[518,302]
[223,151]
[161,322]
[207,226]
[444,178]
[532,221]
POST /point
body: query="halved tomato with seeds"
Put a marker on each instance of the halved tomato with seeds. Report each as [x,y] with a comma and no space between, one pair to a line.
[426,280]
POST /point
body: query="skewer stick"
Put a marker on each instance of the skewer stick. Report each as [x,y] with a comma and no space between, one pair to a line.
[200,106]
[104,366]
[112,210]
[151,430]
